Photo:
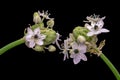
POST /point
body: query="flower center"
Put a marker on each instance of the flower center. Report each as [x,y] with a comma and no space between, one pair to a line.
[96,27]
[76,51]
[35,36]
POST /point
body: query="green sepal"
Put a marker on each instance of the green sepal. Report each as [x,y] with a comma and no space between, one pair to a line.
[50,36]
[81,31]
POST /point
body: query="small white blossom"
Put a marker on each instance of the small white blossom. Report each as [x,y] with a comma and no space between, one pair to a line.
[57,39]
[78,52]
[44,14]
[34,37]
[96,26]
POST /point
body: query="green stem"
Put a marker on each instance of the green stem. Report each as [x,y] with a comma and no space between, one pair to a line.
[11,45]
[111,66]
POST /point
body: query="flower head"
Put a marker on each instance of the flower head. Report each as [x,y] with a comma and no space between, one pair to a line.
[96,25]
[34,37]
[78,51]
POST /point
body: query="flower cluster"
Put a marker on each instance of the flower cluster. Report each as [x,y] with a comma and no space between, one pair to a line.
[38,36]
[79,42]
[83,39]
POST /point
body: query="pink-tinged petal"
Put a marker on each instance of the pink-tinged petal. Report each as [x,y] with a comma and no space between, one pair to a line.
[39,42]
[104,30]
[72,55]
[97,32]
[83,56]
[30,44]
[29,31]
[82,48]
[28,37]
[90,33]
[74,45]
[76,60]
[37,31]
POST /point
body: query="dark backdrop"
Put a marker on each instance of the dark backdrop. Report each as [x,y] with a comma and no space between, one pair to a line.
[15,17]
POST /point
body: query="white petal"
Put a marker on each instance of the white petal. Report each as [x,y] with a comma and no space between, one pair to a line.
[83,56]
[100,23]
[29,31]
[104,30]
[88,26]
[37,31]
[65,56]
[76,60]
[39,42]
[90,33]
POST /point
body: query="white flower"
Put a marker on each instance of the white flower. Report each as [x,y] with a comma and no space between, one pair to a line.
[65,50]
[57,39]
[96,26]
[78,52]
[34,37]
[44,14]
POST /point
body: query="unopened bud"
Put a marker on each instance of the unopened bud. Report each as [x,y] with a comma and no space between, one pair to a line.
[51,48]
[38,48]
[81,39]
[36,18]
[50,23]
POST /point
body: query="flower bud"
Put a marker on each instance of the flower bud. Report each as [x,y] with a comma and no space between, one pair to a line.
[36,18]
[38,48]
[51,48]
[81,39]
[50,23]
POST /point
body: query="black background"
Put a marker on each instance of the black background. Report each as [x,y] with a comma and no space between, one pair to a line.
[15,17]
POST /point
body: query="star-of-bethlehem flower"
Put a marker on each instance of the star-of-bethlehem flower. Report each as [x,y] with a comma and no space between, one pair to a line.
[96,25]
[34,37]
[78,52]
